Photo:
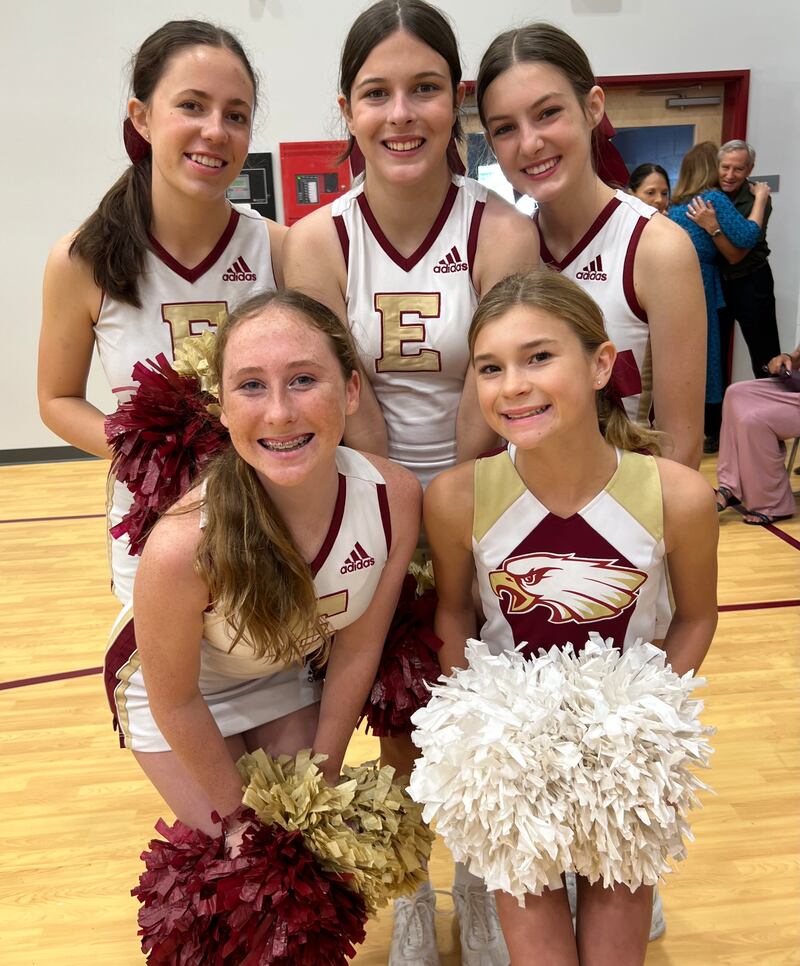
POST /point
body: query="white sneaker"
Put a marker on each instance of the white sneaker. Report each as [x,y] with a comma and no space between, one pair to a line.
[657,925]
[482,942]
[414,932]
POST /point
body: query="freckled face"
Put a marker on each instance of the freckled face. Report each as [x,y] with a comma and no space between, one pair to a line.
[285,397]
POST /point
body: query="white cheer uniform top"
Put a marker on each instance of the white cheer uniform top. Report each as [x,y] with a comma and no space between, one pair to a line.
[346,570]
[546,580]
[602,264]
[177,303]
[410,318]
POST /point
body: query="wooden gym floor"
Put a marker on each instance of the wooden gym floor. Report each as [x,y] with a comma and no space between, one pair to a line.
[75,812]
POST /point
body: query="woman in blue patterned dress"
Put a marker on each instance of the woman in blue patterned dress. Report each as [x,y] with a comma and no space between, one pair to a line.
[715,227]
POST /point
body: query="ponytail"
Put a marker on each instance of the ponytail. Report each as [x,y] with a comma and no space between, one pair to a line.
[115,238]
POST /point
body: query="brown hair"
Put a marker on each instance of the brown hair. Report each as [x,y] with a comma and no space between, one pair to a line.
[115,238]
[550,292]
[699,172]
[538,42]
[422,20]
[255,574]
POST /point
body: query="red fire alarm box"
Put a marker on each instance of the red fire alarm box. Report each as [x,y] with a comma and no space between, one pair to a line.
[312,176]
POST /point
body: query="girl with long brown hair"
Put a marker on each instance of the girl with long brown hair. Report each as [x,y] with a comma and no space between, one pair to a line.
[292,550]
[572,505]
[165,252]
[542,110]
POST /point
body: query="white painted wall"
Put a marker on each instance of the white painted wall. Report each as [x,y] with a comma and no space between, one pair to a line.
[64,91]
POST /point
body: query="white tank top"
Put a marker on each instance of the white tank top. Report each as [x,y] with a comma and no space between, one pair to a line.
[547,580]
[602,264]
[410,318]
[346,570]
[177,303]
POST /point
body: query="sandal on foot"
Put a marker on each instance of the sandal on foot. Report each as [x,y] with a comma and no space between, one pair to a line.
[728,499]
[761,519]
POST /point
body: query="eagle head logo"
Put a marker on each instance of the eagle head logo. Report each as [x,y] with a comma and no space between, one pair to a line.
[574,588]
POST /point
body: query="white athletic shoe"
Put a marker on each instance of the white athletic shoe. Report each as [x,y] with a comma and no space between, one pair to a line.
[482,942]
[657,924]
[414,932]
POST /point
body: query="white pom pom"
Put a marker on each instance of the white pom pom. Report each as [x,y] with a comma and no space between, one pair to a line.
[531,768]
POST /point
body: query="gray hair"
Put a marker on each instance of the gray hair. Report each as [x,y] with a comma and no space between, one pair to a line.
[738,145]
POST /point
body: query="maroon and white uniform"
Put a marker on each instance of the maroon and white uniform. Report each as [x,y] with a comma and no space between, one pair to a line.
[241,690]
[176,303]
[545,580]
[602,264]
[410,318]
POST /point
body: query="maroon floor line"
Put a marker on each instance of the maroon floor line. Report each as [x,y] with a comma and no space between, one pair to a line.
[45,678]
[82,516]
[772,529]
[766,605]
[64,675]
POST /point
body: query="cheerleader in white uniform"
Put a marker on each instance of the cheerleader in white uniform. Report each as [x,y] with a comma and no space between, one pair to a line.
[165,255]
[404,257]
[571,530]
[541,110]
[292,549]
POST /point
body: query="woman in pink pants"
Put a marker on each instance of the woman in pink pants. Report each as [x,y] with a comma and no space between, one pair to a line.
[757,416]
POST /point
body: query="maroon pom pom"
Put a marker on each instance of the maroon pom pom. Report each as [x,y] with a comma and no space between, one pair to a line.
[272,904]
[408,664]
[162,438]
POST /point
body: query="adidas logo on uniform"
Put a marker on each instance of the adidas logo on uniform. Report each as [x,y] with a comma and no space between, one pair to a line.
[358,559]
[452,262]
[593,272]
[240,271]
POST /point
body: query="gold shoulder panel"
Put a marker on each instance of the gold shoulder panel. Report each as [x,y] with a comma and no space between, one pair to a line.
[497,487]
[636,486]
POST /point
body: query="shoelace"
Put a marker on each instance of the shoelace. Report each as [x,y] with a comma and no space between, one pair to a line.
[483,921]
[406,909]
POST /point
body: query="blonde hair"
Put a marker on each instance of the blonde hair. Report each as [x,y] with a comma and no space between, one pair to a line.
[550,292]
[255,574]
[699,172]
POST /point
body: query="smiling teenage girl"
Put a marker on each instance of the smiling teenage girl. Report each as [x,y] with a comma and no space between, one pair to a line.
[266,538]
[404,257]
[165,254]
[572,493]
[540,105]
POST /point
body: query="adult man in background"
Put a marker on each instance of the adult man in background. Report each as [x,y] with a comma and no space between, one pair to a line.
[747,283]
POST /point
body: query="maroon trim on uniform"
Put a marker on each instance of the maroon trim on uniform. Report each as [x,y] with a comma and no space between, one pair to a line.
[627,271]
[344,238]
[594,228]
[46,678]
[408,263]
[386,516]
[333,529]
[474,228]
[117,656]
[100,310]
[192,274]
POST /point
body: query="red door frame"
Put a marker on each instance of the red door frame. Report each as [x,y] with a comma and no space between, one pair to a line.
[734,103]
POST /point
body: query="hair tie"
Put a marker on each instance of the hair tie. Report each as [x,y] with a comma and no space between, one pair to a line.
[624,380]
[611,167]
[138,148]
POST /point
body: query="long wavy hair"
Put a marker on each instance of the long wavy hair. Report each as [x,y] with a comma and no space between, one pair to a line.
[115,238]
[699,172]
[550,292]
[255,574]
